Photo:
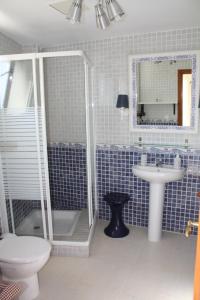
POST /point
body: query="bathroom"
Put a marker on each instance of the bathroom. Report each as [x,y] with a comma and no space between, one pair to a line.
[90,146]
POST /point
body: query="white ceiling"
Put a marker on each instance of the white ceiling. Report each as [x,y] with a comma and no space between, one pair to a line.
[35,22]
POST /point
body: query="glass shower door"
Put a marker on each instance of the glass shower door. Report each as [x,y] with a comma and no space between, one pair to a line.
[22,181]
[63,78]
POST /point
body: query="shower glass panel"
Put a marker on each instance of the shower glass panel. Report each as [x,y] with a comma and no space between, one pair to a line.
[21,152]
[65,101]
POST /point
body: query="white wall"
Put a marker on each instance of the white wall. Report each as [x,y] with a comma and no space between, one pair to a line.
[110,59]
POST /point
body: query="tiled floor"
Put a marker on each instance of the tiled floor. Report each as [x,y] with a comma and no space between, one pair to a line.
[123,269]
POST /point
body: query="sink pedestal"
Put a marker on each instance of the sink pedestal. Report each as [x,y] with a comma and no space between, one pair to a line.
[157,177]
[156,200]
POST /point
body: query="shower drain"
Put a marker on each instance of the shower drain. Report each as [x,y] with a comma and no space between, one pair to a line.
[36,227]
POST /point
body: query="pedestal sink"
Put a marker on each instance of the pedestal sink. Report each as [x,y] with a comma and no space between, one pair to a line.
[157,177]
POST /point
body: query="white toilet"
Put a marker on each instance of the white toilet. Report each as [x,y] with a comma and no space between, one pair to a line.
[21,257]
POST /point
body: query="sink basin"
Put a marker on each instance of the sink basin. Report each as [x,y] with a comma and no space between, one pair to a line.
[157,177]
[162,174]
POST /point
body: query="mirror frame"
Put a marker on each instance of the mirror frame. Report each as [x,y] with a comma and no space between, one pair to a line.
[133,97]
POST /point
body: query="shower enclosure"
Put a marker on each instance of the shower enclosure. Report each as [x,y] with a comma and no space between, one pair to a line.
[47,146]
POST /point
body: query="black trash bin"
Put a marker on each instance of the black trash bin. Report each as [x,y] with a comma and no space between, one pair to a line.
[116,228]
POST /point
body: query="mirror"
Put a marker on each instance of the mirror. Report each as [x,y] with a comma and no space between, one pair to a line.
[164,91]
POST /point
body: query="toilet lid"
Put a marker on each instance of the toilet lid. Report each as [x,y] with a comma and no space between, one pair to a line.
[23,249]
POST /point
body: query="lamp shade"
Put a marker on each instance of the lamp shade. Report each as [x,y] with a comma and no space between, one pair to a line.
[101,17]
[122,101]
[74,13]
[114,10]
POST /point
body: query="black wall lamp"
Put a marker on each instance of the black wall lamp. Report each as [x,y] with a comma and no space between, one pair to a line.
[123,105]
[122,102]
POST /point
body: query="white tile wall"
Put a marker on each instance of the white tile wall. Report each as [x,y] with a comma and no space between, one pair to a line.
[8,46]
[110,59]
[30,49]
[65,100]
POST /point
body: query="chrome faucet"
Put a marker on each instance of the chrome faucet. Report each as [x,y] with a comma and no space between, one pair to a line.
[159,163]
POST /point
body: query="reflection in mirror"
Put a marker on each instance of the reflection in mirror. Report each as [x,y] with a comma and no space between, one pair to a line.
[164,92]
[16,81]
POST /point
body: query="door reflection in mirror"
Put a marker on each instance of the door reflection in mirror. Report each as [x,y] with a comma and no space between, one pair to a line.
[184,97]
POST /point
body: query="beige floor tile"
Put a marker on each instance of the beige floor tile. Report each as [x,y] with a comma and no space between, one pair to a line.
[123,269]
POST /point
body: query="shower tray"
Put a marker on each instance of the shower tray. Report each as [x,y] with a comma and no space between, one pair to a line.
[64,223]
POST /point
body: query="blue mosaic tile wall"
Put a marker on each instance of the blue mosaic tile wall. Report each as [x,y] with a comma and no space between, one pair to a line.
[21,208]
[114,174]
[68,176]
[68,184]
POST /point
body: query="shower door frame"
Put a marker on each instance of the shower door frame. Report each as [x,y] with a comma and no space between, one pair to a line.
[88,103]
[32,57]
[39,57]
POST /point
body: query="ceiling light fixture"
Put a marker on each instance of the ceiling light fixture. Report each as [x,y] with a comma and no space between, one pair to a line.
[75,10]
[114,10]
[103,18]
